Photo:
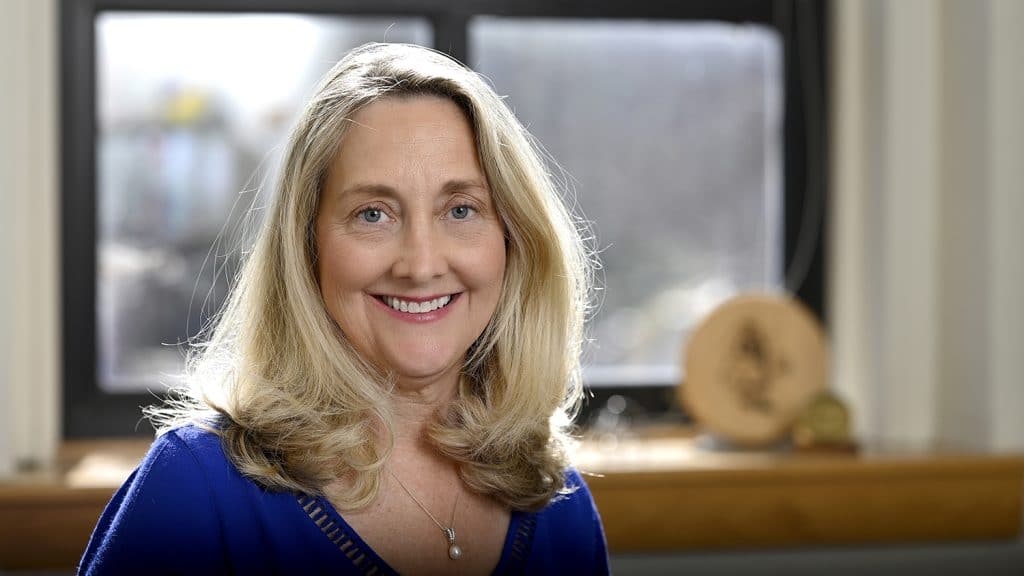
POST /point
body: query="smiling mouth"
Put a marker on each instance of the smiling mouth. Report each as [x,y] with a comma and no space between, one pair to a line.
[418,307]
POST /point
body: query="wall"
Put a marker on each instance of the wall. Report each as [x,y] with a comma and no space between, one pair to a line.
[29,359]
[926,269]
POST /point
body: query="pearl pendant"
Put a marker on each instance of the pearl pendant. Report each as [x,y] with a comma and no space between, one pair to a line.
[454,552]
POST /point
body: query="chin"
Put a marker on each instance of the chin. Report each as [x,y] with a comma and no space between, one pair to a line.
[421,358]
[424,372]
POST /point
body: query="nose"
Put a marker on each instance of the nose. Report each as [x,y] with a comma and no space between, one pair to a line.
[421,255]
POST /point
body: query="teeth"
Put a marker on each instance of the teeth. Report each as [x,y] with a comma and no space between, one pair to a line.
[417,307]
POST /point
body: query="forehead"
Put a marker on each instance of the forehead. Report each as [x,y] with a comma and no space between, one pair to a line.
[399,136]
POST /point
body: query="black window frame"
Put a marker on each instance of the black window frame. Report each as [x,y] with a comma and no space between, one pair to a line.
[88,411]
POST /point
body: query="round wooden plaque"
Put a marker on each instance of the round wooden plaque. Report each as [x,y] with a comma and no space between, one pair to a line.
[752,366]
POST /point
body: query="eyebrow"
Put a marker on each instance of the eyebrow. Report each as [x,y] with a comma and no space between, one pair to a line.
[450,187]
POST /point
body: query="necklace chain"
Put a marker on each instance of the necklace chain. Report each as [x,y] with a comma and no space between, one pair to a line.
[454,551]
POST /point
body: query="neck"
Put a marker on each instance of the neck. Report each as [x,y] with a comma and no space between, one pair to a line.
[416,407]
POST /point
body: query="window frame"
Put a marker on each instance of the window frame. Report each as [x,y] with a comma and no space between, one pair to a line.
[88,411]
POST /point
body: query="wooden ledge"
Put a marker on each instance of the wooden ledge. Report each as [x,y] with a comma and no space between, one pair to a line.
[659,492]
[47,516]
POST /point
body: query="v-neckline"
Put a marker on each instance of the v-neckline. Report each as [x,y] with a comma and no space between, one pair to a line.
[362,556]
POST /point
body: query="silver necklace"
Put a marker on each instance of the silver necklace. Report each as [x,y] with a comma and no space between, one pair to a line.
[454,552]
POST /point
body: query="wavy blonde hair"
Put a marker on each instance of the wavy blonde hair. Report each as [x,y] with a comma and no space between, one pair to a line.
[297,407]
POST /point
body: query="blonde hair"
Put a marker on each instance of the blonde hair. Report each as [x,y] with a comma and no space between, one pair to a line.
[296,405]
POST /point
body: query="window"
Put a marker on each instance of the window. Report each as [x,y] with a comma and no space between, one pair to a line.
[691,136]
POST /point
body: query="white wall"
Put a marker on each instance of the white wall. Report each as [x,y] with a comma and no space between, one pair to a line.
[1005,236]
[927,269]
[29,359]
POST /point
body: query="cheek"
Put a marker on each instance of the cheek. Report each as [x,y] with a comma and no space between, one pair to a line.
[491,266]
[341,287]
[499,266]
[341,273]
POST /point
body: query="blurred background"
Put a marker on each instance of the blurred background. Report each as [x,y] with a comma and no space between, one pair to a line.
[188,132]
[865,156]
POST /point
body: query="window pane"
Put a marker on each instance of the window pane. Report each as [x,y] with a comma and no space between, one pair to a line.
[672,135]
[191,112]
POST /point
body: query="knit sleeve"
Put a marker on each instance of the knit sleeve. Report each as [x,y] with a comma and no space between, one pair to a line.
[163,520]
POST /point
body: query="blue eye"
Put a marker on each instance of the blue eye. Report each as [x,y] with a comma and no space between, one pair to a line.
[371,215]
[461,212]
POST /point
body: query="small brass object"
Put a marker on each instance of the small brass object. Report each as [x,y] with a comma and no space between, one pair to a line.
[824,426]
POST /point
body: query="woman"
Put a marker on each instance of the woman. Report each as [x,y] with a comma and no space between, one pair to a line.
[389,386]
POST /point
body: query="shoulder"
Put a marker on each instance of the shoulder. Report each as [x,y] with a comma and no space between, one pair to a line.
[194,442]
[178,463]
[164,506]
[575,506]
[569,536]
[186,460]
[182,444]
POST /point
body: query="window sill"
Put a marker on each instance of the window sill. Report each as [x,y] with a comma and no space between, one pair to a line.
[655,493]
[662,493]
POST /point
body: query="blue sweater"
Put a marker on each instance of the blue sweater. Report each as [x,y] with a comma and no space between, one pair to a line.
[187,510]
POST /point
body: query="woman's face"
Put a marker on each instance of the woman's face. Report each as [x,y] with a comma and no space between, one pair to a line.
[411,252]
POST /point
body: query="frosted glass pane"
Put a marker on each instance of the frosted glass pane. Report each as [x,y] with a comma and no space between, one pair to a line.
[191,111]
[671,137]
